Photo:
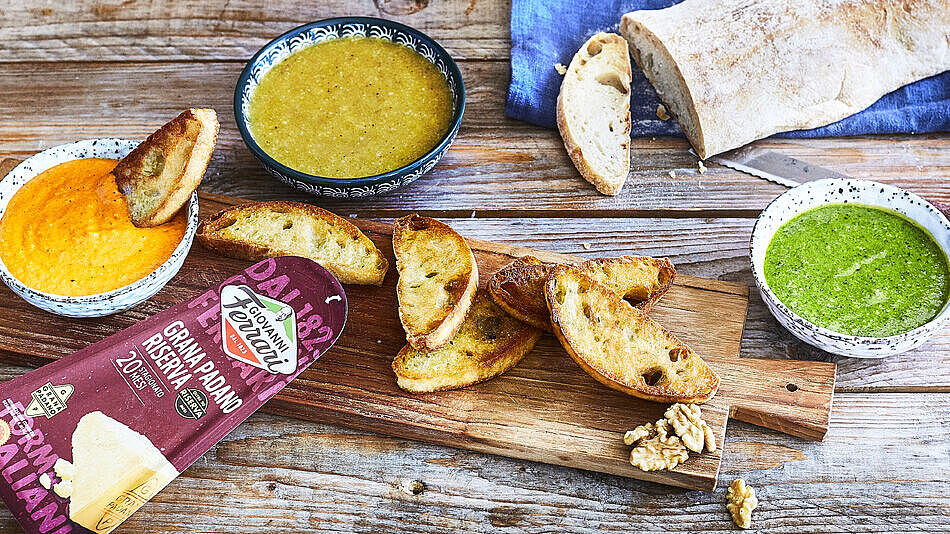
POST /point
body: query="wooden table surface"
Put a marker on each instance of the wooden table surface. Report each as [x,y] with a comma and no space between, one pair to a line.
[92,68]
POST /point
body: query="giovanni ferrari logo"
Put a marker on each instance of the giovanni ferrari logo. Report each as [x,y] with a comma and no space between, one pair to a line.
[258,330]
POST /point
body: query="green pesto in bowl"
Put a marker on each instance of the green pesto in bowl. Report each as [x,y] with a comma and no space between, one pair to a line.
[858,270]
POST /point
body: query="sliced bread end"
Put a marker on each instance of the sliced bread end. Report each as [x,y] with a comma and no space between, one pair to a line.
[593,111]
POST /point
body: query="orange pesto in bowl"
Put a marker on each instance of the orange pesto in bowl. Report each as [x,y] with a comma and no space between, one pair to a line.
[68,232]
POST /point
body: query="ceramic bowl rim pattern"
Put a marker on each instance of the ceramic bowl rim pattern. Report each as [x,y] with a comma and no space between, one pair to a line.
[284,172]
[819,336]
[108,302]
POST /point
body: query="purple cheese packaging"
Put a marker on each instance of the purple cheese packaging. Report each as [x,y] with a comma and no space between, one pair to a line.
[85,441]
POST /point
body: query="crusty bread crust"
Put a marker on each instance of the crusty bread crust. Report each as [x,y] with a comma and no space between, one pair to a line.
[621,347]
[733,71]
[488,343]
[367,266]
[438,277]
[518,288]
[137,171]
[612,51]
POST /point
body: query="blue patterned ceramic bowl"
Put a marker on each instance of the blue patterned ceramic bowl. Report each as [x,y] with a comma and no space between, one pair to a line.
[316,32]
[113,301]
[821,192]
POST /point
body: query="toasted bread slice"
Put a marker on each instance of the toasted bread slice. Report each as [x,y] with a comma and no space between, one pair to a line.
[157,178]
[593,111]
[268,229]
[437,280]
[488,343]
[518,288]
[620,346]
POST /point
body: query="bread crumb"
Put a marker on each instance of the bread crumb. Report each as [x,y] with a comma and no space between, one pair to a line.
[740,501]
[379,341]
[661,113]
[561,69]
[352,215]
[413,487]
[702,168]
[586,246]
[672,174]
[46,481]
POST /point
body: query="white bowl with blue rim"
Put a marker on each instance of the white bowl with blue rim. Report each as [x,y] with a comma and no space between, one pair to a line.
[822,192]
[109,302]
[313,33]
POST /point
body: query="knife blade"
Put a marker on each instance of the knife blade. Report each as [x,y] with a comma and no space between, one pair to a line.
[786,170]
[774,166]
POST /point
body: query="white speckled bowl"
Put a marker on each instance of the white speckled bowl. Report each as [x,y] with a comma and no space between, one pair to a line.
[821,192]
[113,301]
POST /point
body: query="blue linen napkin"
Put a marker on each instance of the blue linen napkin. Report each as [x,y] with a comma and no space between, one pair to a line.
[545,32]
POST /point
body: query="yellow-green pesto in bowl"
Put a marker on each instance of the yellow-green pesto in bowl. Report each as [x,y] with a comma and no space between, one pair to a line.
[858,270]
[350,107]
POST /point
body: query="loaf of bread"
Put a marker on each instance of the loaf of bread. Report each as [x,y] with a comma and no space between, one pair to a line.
[733,71]
[593,112]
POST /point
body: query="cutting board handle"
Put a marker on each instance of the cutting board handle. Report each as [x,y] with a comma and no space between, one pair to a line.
[790,396]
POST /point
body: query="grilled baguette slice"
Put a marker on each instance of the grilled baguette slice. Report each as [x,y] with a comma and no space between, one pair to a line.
[620,346]
[159,176]
[518,288]
[488,343]
[437,280]
[267,229]
[593,111]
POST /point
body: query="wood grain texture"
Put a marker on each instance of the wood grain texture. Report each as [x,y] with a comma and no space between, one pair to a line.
[353,384]
[122,30]
[274,474]
[529,164]
[878,469]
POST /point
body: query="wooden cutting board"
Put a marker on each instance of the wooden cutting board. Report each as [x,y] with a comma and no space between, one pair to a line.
[546,409]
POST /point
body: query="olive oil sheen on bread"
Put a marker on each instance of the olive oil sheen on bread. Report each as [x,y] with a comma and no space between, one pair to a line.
[350,107]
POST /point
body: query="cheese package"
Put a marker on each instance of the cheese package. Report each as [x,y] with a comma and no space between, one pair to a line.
[85,441]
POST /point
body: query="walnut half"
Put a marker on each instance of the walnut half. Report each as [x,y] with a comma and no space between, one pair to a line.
[655,446]
[687,421]
[740,502]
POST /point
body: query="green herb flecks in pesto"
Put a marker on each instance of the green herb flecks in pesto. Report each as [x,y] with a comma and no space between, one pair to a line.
[858,270]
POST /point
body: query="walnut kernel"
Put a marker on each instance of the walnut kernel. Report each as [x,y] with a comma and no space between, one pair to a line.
[740,502]
[687,421]
[655,446]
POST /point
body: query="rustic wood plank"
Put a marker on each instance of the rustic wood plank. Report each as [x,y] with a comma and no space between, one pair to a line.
[496,167]
[114,30]
[273,474]
[353,384]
